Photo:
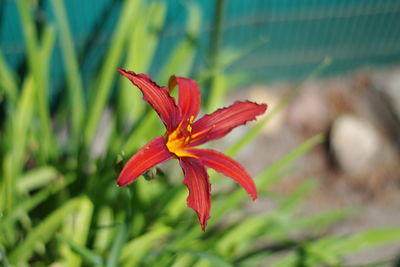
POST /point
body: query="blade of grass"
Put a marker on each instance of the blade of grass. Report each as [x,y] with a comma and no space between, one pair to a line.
[221,81]
[360,241]
[181,59]
[38,66]
[315,223]
[123,233]
[233,237]
[217,91]
[74,80]
[215,45]
[8,197]
[103,234]
[18,135]
[42,232]
[77,226]
[3,257]
[8,81]
[206,257]
[141,48]
[27,106]
[269,176]
[108,69]
[255,226]
[31,202]
[117,245]
[85,253]
[142,244]
[36,178]
[145,130]
[330,250]
[264,180]
[146,36]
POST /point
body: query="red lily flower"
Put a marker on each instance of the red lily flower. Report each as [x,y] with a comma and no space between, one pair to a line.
[184,134]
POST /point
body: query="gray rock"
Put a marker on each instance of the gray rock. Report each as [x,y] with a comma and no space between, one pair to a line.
[356,145]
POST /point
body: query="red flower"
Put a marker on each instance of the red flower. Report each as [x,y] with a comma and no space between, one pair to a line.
[184,134]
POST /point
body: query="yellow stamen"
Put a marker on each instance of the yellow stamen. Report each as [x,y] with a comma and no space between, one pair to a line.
[191,119]
[177,141]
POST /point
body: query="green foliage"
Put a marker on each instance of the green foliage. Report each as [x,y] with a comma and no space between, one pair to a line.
[59,203]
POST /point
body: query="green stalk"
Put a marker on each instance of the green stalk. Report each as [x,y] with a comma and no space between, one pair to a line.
[108,70]
[83,252]
[38,68]
[8,82]
[123,234]
[76,227]
[74,80]
[18,136]
[147,26]
[216,40]
[43,232]
[181,59]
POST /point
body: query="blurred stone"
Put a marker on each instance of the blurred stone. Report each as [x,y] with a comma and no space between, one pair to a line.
[309,111]
[356,144]
[389,84]
[262,94]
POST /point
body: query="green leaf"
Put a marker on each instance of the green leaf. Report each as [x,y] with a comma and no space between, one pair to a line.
[43,232]
[209,257]
[103,234]
[141,49]
[181,59]
[8,81]
[142,244]
[331,249]
[319,222]
[74,80]
[76,226]
[36,178]
[108,70]
[243,231]
[38,61]
[217,93]
[3,257]
[85,253]
[142,134]
[31,202]
[17,133]
[231,55]
[290,259]
[268,176]
[118,244]
[366,239]
[145,36]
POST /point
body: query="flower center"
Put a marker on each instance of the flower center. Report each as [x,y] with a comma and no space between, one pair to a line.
[179,138]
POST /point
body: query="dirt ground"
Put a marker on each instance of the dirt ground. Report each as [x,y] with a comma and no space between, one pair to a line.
[359,163]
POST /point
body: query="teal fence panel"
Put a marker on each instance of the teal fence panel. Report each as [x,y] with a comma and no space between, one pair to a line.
[293,35]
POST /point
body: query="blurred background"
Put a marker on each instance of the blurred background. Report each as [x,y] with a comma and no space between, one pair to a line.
[326,156]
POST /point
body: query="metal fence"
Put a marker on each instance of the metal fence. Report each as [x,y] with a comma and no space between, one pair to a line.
[291,36]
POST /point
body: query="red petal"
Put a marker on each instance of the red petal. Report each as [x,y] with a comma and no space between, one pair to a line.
[227,166]
[222,121]
[157,96]
[189,96]
[196,180]
[148,156]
